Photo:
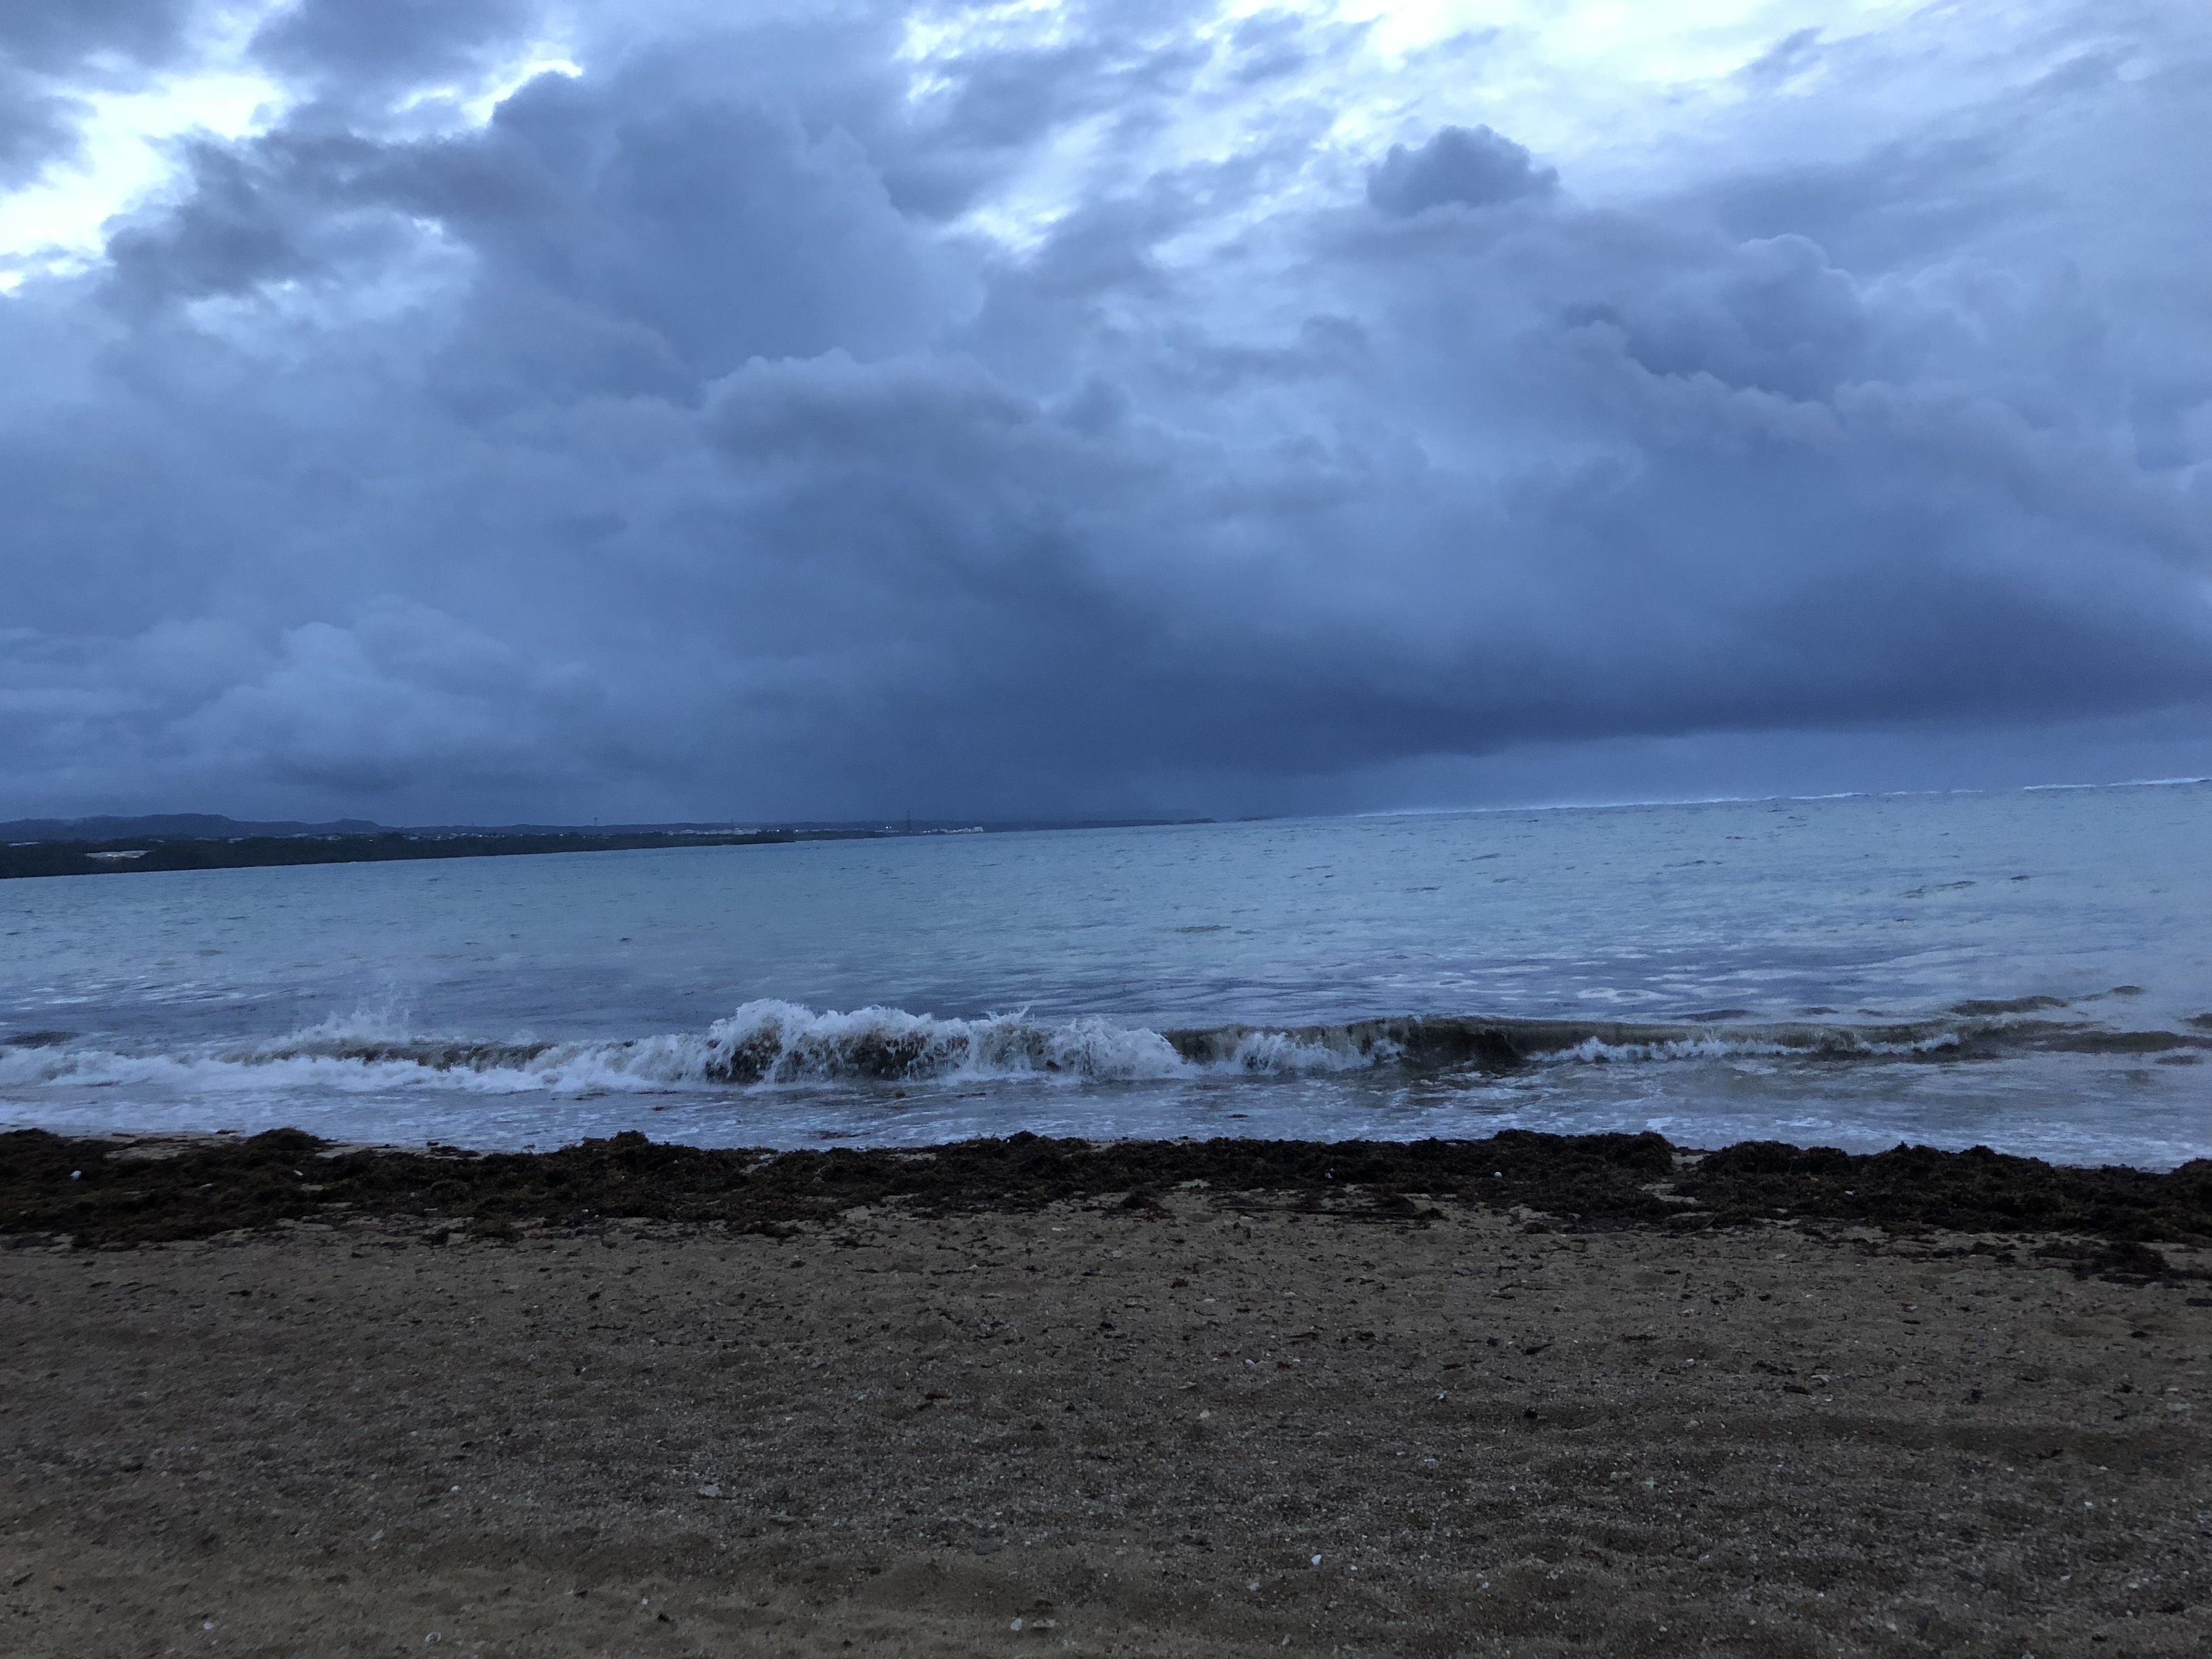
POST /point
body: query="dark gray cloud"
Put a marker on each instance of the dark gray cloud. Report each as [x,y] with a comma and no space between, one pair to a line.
[373,46]
[670,445]
[1457,167]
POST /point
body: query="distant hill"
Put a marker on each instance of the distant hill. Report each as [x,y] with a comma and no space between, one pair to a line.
[197,840]
[201,826]
[213,826]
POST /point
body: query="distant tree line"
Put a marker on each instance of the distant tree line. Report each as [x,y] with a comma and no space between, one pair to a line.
[141,853]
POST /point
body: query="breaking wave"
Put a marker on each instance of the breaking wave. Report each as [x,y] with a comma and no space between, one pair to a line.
[771,1044]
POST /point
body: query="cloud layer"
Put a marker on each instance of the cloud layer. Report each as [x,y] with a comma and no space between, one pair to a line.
[776,420]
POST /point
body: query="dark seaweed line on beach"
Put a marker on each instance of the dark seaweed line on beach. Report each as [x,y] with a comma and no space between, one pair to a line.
[103,1192]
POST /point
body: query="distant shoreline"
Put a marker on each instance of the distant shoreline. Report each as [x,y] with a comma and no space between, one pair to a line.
[145,853]
[120,854]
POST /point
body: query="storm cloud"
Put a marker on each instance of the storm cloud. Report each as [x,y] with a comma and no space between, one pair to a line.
[769,419]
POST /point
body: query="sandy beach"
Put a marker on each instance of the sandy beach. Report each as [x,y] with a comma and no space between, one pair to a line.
[1197,1422]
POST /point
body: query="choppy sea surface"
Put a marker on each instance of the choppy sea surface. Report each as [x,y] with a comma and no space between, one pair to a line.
[2031,972]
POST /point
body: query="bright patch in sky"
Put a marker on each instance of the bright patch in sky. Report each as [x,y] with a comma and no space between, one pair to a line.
[1577,80]
[1563,76]
[128,141]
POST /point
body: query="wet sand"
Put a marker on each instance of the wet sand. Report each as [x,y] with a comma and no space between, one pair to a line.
[1103,1427]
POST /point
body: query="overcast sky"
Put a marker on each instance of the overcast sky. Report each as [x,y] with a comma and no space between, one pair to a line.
[449,409]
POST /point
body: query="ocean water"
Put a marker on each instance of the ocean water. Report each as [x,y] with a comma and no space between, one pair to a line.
[2031,972]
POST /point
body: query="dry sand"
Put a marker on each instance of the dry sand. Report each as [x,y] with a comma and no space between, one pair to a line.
[1098,1430]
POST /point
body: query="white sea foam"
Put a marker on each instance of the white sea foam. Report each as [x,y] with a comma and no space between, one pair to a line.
[1832,1043]
[763,1045]
[771,1044]
[1291,1054]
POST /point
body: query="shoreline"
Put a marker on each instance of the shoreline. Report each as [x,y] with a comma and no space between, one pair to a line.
[152,852]
[156,855]
[124,1189]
